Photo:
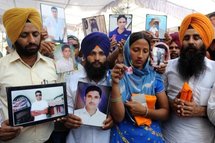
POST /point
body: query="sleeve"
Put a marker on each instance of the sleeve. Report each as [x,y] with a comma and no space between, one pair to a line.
[159,85]
[211,106]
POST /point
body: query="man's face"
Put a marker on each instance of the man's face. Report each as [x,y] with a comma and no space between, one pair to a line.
[212,19]
[38,96]
[96,57]
[66,53]
[174,50]
[74,43]
[92,100]
[54,13]
[121,23]
[28,43]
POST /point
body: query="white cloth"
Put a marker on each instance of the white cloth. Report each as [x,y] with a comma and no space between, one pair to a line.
[211,106]
[55,27]
[96,119]
[64,65]
[39,105]
[84,134]
[185,129]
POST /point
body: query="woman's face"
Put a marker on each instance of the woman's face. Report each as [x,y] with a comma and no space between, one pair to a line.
[139,52]
[121,23]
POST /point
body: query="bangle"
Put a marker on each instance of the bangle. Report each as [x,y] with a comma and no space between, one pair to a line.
[147,111]
[117,99]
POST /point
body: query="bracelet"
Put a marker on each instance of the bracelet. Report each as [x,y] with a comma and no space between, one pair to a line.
[147,111]
[117,99]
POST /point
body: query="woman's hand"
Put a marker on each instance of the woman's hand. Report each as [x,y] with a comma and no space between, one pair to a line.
[118,72]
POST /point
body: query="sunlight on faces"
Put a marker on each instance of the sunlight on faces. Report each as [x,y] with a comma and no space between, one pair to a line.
[139,52]
[92,100]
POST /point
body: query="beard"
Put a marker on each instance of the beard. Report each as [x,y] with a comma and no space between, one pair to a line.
[27,51]
[95,73]
[191,62]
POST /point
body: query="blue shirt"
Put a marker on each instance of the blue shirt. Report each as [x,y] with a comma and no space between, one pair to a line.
[124,35]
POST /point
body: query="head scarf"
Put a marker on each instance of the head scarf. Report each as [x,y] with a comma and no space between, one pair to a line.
[175,38]
[95,39]
[201,24]
[14,21]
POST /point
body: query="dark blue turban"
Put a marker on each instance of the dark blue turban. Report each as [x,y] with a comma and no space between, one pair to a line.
[95,39]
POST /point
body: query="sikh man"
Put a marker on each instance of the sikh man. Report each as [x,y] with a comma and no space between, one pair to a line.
[95,48]
[24,66]
[188,121]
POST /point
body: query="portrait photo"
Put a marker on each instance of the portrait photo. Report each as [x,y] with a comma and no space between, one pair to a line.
[120,26]
[94,24]
[30,105]
[64,58]
[54,22]
[92,103]
[156,25]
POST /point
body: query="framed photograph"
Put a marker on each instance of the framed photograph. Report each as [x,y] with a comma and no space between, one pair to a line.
[156,25]
[64,57]
[120,26]
[30,105]
[94,24]
[92,103]
[53,18]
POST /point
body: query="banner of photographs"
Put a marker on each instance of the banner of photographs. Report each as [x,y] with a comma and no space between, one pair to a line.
[54,23]
[156,25]
[94,24]
[92,103]
[30,105]
[120,26]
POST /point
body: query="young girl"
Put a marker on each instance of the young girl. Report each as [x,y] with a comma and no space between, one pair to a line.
[143,80]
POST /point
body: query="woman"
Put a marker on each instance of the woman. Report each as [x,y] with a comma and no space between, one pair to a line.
[143,80]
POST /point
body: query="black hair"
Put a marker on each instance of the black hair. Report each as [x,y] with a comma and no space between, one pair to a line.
[139,35]
[53,8]
[212,15]
[38,91]
[64,47]
[121,16]
[93,88]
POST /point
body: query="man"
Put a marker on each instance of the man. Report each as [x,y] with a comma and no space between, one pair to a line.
[39,108]
[55,26]
[24,66]
[66,63]
[174,46]
[95,48]
[90,114]
[188,121]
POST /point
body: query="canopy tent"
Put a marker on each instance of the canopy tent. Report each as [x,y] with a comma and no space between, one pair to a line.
[75,10]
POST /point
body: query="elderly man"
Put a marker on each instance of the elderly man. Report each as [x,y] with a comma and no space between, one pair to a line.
[24,66]
[95,48]
[188,121]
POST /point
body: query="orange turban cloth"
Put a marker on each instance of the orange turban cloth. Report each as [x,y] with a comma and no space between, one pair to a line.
[201,24]
[14,21]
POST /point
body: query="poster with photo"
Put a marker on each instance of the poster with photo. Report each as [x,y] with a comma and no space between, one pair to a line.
[94,24]
[54,22]
[64,58]
[92,103]
[120,26]
[156,25]
[35,104]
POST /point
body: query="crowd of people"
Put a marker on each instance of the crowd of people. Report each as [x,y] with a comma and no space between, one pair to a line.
[163,116]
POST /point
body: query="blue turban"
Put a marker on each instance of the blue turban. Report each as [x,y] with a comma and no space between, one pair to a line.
[95,39]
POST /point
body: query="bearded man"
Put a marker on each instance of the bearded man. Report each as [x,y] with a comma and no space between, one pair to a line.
[95,48]
[188,121]
[24,66]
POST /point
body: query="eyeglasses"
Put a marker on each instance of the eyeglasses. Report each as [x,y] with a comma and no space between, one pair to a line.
[75,45]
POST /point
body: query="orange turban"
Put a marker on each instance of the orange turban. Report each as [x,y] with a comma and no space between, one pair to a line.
[201,24]
[14,21]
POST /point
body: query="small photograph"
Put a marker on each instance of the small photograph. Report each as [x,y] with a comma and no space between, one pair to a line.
[64,57]
[94,24]
[156,25]
[120,26]
[30,105]
[54,22]
[92,103]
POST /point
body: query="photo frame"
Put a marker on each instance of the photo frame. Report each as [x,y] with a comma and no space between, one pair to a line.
[54,22]
[94,24]
[64,57]
[92,103]
[123,21]
[156,25]
[35,104]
